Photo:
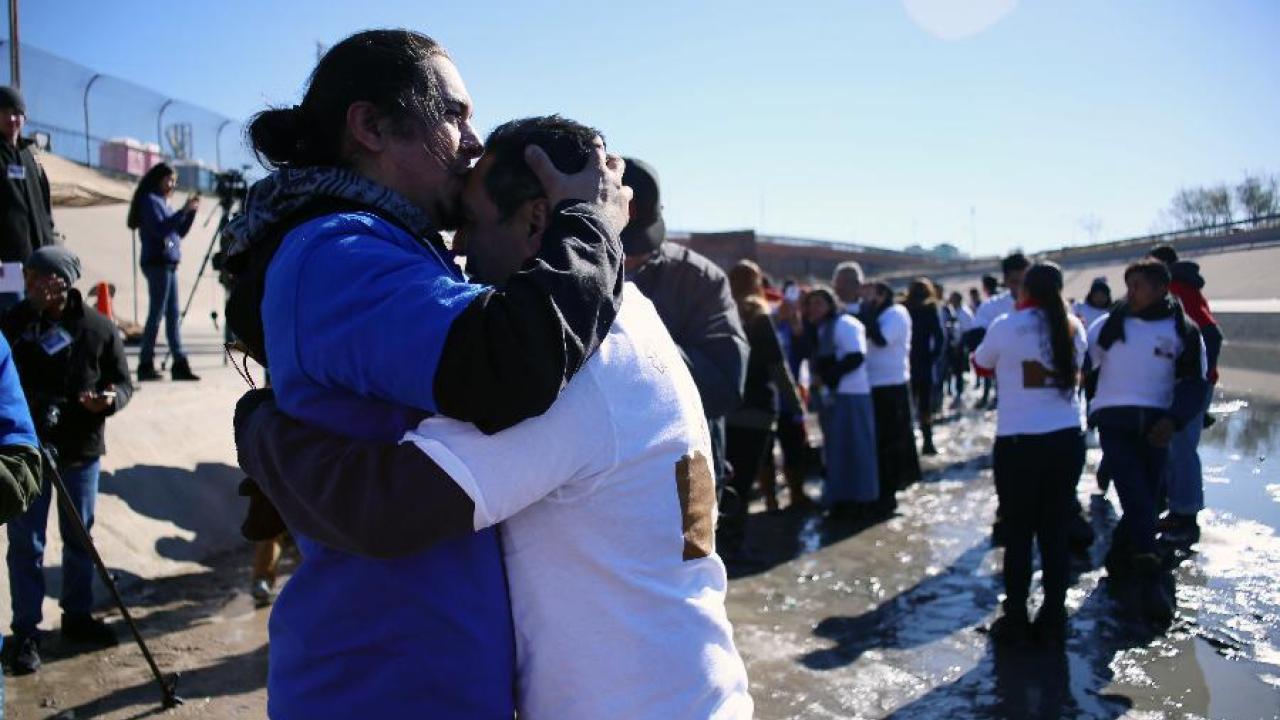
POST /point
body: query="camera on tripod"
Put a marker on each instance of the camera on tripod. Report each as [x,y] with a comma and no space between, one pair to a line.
[231,187]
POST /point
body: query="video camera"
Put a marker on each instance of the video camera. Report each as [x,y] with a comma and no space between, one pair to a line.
[231,187]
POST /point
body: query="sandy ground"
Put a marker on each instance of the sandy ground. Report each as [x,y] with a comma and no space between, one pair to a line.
[845,621]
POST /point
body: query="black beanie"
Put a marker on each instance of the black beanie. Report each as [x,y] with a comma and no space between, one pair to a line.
[10,97]
[56,260]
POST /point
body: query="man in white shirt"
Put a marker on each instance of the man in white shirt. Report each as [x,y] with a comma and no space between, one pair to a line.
[1148,382]
[606,502]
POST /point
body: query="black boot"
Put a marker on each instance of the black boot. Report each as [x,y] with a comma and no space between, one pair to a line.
[22,654]
[1012,627]
[182,370]
[929,448]
[84,629]
[1050,627]
[147,371]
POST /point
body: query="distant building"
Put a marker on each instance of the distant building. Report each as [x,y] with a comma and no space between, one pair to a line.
[789,257]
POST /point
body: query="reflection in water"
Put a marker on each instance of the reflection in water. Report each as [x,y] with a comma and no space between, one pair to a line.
[888,620]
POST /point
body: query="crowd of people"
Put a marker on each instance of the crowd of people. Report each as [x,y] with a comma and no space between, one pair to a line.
[526,393]
[1138,371]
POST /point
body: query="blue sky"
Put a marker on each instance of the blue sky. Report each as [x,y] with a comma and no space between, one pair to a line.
[881,122]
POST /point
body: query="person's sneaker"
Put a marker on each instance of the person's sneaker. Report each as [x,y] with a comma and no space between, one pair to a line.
[1050,628]
[262,593]
[1011,629]
[22,654]
[86,630]
[147,372]
[182,370]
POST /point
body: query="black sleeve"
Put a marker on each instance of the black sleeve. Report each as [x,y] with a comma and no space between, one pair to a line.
[20,479]
[938,340]
[380,500]
[509,353]
[46,196]
[1213,340]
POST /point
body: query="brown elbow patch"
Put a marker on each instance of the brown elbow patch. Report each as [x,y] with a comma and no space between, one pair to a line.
[697,491]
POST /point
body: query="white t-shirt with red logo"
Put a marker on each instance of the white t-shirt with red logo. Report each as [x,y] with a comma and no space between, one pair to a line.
[607,505]
[1017,348]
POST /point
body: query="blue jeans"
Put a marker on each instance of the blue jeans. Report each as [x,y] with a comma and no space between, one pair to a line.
[162,291]
[26,551]
[1183,477]
[1137,469]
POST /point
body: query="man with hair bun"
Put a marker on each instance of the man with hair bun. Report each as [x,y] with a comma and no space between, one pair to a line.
[606,501]
[345,290]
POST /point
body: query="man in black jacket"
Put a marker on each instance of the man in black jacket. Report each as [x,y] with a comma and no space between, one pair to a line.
[74,373]
[26,215]
[692,297]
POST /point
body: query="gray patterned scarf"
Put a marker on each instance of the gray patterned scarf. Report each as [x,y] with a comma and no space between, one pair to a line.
[279,195]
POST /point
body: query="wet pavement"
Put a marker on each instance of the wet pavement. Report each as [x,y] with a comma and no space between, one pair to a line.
[889,620]
[841,621]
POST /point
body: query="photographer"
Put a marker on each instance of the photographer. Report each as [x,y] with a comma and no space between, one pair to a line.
[73,371]
[161,231]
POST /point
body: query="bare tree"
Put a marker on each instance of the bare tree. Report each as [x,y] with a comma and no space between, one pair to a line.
[1258,196]
[1201,207]
[1091,225]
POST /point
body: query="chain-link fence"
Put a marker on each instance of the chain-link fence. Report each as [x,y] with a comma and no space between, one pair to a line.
[121,127]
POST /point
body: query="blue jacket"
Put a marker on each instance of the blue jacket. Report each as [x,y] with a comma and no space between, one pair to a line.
[16,427]
[428,635]
[162,230]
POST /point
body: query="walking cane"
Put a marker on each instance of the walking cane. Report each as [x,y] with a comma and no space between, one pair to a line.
[168,686]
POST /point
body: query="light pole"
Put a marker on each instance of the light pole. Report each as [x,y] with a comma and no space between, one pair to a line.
[160,124]
[15,65]
[88,154]
[217,144]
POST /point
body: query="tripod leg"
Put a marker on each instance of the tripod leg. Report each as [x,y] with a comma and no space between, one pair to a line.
[208,255]
[167,685]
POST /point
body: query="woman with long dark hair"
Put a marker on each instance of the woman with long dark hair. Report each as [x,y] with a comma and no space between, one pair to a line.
[161,230]
[927,345]
[888,327]
[1035,354]
[843,396]
[749,429]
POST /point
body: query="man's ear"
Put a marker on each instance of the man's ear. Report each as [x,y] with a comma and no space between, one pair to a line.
[367,126]
[537,219]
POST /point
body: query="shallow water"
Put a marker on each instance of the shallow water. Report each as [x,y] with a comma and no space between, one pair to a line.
[890,620]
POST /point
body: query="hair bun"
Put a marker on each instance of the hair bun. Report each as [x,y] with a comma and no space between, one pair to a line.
[276,136]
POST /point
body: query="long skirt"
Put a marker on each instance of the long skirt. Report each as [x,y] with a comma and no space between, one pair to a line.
[896,440]
[849,448]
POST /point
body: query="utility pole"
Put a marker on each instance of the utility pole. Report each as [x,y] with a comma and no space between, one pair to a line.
[15,69]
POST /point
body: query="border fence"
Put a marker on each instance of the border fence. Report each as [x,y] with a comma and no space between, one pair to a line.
[123,128]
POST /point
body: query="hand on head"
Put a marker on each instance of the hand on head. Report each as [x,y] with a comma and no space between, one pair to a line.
[599,183]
